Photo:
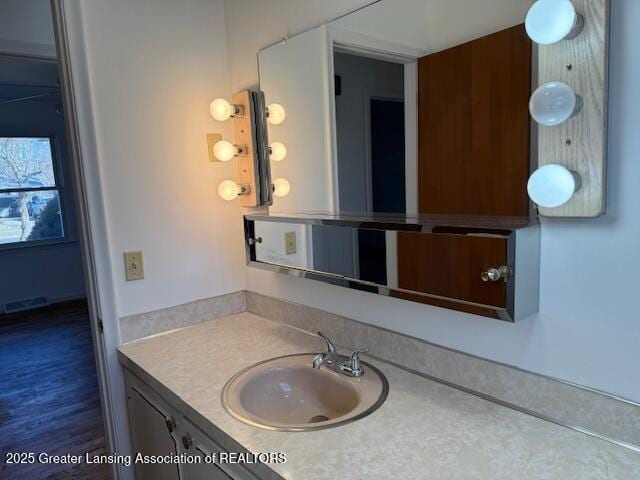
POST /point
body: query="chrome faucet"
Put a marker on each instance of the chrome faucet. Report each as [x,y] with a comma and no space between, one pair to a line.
[347,365]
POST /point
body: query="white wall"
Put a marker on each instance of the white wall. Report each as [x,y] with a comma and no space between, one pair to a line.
[307,128]
[273,246]
[257,24]
[26,28]
[588,327]
[144,73]
[428,25]
[154,67]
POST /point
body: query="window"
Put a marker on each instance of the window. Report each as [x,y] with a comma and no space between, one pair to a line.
[29,191]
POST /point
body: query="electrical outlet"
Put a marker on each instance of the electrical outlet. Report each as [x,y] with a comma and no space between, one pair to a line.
[290,243]
[133,266]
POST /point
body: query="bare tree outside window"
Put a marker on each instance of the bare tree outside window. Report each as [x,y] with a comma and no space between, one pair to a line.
[27,189]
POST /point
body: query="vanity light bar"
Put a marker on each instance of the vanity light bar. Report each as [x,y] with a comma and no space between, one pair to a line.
[569,182]
[246,109]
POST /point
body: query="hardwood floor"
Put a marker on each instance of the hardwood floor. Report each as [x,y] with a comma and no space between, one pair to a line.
[49,398]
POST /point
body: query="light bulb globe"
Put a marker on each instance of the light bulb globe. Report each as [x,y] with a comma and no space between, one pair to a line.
[224,150]
[281,187]
[277,151]
[228,190]
[549,21]
[554,103]
[276,114]
[552,185]
[220,109]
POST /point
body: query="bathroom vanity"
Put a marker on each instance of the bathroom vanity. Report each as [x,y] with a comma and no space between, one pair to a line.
[394,148]
[424,429]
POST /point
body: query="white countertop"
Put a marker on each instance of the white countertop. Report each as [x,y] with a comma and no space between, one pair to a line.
[424,430]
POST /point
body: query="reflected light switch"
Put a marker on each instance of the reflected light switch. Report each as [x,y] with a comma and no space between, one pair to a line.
[133,266]
[290,243]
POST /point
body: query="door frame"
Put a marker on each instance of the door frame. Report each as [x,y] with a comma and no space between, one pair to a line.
[346,41]
[92,225]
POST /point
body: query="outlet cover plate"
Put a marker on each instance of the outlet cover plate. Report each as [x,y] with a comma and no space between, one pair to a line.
[133,266]
[290,246]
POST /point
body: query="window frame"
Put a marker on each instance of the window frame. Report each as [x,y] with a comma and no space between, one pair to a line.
[57,187]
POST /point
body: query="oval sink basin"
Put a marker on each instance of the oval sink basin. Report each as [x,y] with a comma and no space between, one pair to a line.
[288,394]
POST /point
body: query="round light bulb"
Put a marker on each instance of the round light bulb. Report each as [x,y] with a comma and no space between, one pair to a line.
[228,190]
[281,187]
[224,150]
[220,109]
[553,103]
[549,21]
[276,114]
[552,185]
[277,151]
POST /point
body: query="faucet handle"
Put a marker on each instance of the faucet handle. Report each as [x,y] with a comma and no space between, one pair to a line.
[354,360]
[331,347]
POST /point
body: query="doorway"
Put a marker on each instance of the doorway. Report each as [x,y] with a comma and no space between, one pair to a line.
[50,399]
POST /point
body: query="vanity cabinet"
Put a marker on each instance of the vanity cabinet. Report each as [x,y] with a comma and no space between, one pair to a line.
[195,443]
[152,427]
[157,429]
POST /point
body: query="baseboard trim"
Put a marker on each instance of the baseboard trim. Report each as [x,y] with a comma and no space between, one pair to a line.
[135,327]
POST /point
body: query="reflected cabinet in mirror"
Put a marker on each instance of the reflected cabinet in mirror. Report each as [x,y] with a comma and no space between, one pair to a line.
[489,272]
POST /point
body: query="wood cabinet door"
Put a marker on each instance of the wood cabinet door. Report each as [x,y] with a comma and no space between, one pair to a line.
[451,265]
[473,127]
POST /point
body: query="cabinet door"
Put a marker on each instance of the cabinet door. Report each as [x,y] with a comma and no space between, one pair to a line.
[195,443]
[450,266]
[150,434]
[203,470]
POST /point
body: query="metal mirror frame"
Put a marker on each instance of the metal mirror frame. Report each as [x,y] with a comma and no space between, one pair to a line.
[509,313]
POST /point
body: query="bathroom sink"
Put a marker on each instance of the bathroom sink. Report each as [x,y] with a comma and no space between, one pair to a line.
[288,394]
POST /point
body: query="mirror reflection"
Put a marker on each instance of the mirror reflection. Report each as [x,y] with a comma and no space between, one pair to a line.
[440,266]
[410,107]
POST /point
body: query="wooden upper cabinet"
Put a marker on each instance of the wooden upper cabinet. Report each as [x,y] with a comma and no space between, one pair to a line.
[473,127]
[450,266]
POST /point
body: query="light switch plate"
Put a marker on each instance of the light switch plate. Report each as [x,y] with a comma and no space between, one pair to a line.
[212,138]
[133,266]
[290,246]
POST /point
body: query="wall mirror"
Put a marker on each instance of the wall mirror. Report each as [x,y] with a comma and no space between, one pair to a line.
[406,107]
[402,140]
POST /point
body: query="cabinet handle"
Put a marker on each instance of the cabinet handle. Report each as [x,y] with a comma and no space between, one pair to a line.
[186,441]
[494,274]
[170,425]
